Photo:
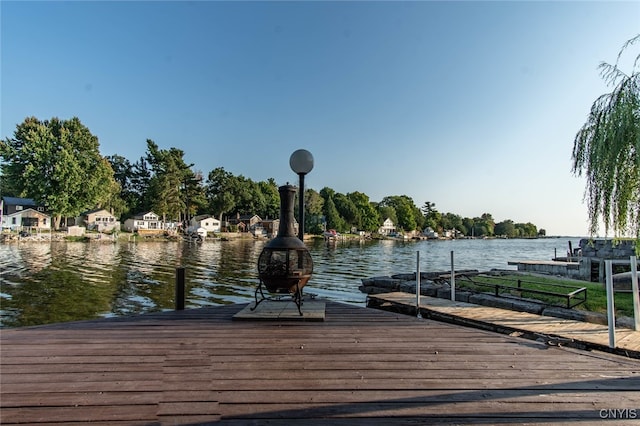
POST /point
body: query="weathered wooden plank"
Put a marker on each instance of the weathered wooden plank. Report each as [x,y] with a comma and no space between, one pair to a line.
[189,408]
[514,373]
[99,376]
[143,361]
[329,384]
[80,368]
[312,362]
[86,414]
[624,398]
[241,396]
[72,399]
[126,386]
[495,383]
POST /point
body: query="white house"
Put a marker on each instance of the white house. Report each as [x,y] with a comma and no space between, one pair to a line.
[143,221]
[209,223]
[387,227]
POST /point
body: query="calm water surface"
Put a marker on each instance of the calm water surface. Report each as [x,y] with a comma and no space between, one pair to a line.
[63,281]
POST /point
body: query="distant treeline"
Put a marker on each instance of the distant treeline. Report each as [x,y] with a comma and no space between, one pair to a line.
[58,163]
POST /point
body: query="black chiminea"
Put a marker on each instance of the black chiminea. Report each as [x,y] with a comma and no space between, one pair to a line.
[285,264]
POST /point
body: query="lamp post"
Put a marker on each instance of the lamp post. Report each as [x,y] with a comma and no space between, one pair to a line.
[301,162]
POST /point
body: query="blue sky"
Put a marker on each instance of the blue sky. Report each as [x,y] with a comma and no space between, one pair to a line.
[470,105]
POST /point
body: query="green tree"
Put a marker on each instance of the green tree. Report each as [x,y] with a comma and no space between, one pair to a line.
[269,190]
[314,219]
[123,174]
[487,223]
[405,209]
[249,197]
[527,230]
[469,225]
[483,226]
[347,210]
[607,150]
[168,181]
[140,182]
[453,221]
[57,163]
[113,201]
[194,196]
[333,218]
[327,193]
[505,228]
[432,217]
[219,191]
[369,216]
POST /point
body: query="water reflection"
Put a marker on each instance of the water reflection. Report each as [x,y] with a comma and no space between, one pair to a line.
[53,282]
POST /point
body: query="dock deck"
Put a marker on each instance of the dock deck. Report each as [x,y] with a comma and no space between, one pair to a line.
[562,331]
[358,366]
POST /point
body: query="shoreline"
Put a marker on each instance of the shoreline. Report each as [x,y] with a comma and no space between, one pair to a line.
[90,237]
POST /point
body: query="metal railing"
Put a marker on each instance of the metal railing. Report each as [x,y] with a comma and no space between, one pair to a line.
[574,297]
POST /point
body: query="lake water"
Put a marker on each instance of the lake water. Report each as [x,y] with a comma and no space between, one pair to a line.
[63,281]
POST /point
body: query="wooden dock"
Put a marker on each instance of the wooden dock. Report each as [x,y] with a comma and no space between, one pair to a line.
[561,331]
[358,366]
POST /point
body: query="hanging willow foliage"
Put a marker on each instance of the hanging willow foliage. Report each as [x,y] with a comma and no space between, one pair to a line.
[607,150]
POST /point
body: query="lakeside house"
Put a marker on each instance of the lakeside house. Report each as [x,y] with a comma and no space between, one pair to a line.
[245,223]
[387,227]
[19,213]
[270,226]
[146,221]
[430,233]
[207,222]
[99,219]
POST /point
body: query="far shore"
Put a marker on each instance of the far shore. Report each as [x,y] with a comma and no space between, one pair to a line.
[104,237]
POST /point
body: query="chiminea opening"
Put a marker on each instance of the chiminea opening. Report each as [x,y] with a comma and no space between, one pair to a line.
[285,264]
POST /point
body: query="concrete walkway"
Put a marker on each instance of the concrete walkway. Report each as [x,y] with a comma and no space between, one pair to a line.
[556,331]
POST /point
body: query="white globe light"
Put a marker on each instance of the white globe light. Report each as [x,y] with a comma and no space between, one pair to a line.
[301,161]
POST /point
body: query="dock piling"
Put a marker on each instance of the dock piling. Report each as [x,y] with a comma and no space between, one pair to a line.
[453,280]
[180,289]
[418,285]
[611,312]
[636,296]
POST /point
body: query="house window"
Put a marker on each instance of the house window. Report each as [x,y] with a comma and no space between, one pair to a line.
[40,209]
[44,221]
[18,208]
[13,220]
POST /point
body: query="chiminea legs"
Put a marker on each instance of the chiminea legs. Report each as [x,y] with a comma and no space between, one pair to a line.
[296,297]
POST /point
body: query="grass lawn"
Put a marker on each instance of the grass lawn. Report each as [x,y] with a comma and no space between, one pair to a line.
[596,293]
